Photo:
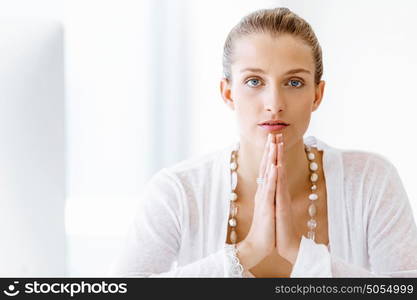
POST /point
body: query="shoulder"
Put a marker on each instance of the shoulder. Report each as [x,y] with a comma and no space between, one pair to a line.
[352,160]
[193,172]
[360,162]
[368,173]
[197,163]
[170,187]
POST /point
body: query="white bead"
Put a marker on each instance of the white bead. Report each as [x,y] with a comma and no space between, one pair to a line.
[312,224]
[233,210]
[314,177]
[233,222]
[233,236]
[311,156]
[233,196]
[233,166]
[314,187]
[312,210]
[311,235]
[314,166]
[308,148]
[234,180]
[313,196]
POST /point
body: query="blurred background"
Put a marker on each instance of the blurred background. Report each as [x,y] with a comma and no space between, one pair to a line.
[96,96]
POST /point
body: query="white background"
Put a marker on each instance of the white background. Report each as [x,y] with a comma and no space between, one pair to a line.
[142,82]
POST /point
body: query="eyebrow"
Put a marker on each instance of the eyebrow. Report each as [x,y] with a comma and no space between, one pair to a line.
[293,71]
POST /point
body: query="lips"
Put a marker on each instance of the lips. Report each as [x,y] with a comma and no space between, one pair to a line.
[274,125]
[272,128]
[274,122]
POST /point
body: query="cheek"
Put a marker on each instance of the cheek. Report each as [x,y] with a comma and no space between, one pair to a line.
[248,114]
[301,101]
[301,121]
[247,102]
[302,114]
[298,110]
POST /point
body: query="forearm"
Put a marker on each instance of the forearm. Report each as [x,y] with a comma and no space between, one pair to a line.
[246,255]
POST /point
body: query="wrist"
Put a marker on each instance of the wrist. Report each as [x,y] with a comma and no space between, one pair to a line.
[292,256]
[246,256]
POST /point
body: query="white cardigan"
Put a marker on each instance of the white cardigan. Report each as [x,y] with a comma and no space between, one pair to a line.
[180,226]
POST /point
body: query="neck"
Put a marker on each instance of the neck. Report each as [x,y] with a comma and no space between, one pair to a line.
[297,166]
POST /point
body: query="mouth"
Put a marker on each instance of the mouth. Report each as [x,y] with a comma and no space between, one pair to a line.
[274,125]
[271,128]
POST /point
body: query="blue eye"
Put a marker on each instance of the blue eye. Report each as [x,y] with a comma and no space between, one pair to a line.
[294,81]
[253,79]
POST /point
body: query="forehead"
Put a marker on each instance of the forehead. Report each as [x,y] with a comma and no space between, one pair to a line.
[273,54]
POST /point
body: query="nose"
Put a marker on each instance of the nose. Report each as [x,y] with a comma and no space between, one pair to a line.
[274,100]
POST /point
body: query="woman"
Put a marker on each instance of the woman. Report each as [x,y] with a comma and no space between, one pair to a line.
[275,204]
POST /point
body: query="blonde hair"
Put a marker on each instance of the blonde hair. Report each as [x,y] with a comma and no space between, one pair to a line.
[274,21]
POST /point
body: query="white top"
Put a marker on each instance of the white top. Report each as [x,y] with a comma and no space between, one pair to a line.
[180,226]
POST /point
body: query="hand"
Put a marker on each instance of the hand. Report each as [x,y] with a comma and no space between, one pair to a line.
[287,240]
[260,241]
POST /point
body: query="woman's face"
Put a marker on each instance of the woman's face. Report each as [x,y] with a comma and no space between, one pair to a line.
[265,86]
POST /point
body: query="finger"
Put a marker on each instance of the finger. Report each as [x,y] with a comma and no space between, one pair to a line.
[282,193]
[271,184]
[270,158]
[279,139]
[263,165]
[280,159]
[273,158]
[282,167]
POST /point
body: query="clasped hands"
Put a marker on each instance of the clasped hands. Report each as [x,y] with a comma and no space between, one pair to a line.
[287,241]
[272,227]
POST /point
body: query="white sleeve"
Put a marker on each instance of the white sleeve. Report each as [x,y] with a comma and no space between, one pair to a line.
[391,235]
[154,238]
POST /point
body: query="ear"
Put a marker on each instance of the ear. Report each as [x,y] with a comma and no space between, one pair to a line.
[318,95]
[226,93]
